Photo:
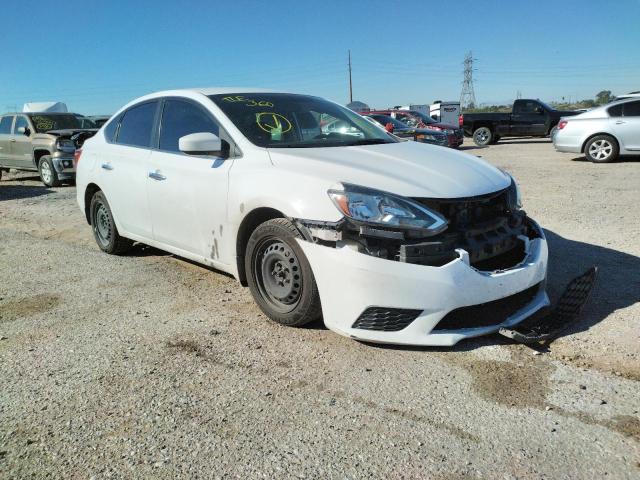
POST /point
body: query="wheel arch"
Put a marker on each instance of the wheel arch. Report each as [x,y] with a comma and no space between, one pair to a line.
[483,123]
[89,192]
[584,144]
[38,153]
[247,226]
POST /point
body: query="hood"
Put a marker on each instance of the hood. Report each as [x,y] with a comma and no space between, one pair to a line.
[70,131]
[410,169]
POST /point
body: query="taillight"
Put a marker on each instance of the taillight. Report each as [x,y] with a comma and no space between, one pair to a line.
[460,120]
[76,157]
[562,124]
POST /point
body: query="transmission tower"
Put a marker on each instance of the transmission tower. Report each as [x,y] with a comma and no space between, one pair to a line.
[468,96]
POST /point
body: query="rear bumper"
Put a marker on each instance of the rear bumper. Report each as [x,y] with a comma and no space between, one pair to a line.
[350,282]
[566,143]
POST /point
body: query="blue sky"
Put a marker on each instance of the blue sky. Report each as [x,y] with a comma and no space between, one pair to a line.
[98,55]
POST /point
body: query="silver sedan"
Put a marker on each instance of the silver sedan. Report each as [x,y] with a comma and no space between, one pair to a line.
[602,133]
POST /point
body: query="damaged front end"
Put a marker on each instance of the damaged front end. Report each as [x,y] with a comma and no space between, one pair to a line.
[489,232]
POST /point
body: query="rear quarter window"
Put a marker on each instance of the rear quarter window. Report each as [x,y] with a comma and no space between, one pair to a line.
[111,129]
[615,111]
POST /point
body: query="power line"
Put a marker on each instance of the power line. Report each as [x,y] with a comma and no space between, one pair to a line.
[468,95]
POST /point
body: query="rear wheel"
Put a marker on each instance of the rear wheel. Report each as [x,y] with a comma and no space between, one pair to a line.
[601,149]
[104,227]
[48,173]
[279,275]
[482,136]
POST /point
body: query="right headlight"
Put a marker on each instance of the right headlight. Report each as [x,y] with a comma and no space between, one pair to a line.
[378,208]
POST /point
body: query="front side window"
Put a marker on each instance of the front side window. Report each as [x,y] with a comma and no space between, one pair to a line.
[180,118]
[278,120]
[5,125]
[632,109]
[136,125]
[21,122]
[44,122]
[526,107]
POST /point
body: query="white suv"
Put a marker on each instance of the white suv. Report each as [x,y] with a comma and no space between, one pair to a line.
[388,240]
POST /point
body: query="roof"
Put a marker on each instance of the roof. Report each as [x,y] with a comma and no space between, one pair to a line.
[217,90]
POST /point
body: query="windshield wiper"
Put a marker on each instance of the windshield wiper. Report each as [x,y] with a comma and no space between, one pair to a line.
[368,141]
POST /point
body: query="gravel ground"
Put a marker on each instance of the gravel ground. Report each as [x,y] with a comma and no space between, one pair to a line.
[149,366]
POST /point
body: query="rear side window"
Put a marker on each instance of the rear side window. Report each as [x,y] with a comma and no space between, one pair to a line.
[136,125]
[5,125]
[615,111]
[111,129]
[180,118]
[632,109]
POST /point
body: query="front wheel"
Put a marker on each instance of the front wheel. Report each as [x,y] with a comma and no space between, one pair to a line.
[482,136]
[279,275]
[48,173]
[601,149]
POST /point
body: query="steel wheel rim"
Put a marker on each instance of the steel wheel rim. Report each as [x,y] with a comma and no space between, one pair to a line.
[45,171]
[278,274]
[102,224]
[600,149]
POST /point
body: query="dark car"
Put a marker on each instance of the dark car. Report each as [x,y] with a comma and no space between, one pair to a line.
[100,120]
[415,119]
[401,130]
[528,118]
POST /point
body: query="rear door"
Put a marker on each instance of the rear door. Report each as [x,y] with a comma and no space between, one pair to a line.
[6,159]
[21,147]
[124,165]
[627,127]
[528,118]
[188,193]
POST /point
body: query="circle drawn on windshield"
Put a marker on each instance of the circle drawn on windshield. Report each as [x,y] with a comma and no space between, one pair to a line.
[273,122]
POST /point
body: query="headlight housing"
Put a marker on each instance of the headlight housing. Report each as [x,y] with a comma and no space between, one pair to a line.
[65,145]
[364,205]
[514,197]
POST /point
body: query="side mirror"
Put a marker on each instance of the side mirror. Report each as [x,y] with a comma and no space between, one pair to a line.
[22,131]
[389,127]
[203,143]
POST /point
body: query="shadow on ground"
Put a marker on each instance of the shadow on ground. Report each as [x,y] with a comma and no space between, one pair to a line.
[17,192]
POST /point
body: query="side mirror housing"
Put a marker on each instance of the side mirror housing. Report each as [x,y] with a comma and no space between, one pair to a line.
[22,131]
[389,127]
[203,143]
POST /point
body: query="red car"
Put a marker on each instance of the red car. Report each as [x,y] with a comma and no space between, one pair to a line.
[416,119]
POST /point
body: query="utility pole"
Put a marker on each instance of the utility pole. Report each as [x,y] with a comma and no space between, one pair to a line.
[519,95]
[468,96]
[350,85]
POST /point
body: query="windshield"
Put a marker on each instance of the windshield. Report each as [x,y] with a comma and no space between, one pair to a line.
[384,119]
[280,120]
[43,122]
[426,119]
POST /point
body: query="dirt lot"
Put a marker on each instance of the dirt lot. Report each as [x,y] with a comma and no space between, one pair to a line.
[150,366]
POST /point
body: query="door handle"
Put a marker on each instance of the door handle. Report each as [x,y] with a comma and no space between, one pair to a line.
[12,140]
[157,176]
[107,166]
[620,122]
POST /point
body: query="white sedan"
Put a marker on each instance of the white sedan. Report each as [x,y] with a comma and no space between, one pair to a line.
[386,240]
[602,133]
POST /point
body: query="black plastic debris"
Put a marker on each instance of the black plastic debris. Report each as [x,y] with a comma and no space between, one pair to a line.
[543,331]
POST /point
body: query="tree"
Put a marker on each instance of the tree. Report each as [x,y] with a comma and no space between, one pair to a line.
[604,96]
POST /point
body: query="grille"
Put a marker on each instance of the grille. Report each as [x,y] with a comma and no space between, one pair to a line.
[487,314]
[386,319]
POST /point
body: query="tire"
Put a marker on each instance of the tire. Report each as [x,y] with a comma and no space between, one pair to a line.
[279,275]
[47,172]
[601,149]
[104,227]
[482,136]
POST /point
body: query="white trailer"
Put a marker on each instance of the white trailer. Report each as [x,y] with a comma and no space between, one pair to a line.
[445,112]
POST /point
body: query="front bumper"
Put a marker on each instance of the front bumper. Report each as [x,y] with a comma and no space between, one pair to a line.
[64,167]
[350,282]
